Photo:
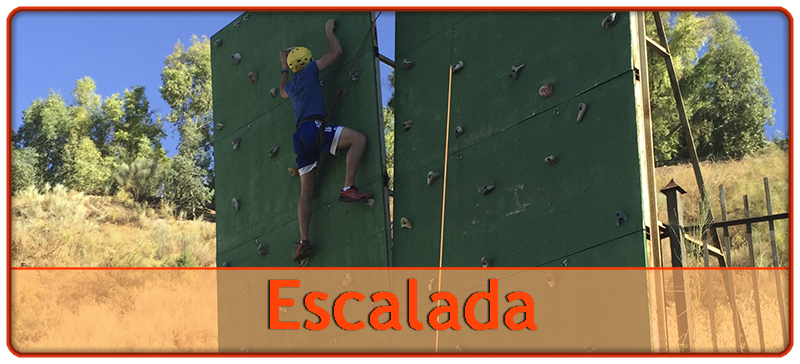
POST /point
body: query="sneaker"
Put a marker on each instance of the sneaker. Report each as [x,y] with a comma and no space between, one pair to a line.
[304,249]
[352,195]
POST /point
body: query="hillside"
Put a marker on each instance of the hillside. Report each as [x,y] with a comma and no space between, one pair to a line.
[66,228]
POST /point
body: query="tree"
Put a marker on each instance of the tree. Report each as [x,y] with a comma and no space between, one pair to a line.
[85,169]
[23,169]
[733,104]
[45,128]
[140,178]
[687,34]
[186,87]
[724,95]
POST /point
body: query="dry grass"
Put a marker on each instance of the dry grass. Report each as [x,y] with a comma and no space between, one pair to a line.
[739,177]
[114,311]
[68,229]
[699,294]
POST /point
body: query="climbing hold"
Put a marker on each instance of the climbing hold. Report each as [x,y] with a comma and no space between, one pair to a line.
[355,74]
[248,126]
[293,172]
[245,289]
[405,224]
[246,17]
[487,188]
[485,262]
[236,24]
[551,280]
[236,58]
[515,71]
[407,125]
[235,143]
[546,90]
[283,309]
[273,151]
[220,126]
[347,280]
[457,67]
[430,285]
[335,25]
[408,64]
[370,203]
[459,131]
[620,216]
[551,160]
[262,249]
[334,341]
[433,176]
[303,262]
[253,77]
[226,264]
[458,349]
[610,21]
[459,156]
[236,204]
[556,112]
[218,42]
[581,111]
[273,92]
[564,263]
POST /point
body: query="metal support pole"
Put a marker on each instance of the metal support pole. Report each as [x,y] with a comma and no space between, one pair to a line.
[775,264]
[675,229]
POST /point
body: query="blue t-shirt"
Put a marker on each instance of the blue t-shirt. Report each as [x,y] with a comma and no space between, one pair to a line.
[305,92]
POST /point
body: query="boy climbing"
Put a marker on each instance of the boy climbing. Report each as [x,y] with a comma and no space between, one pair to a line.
[312,134]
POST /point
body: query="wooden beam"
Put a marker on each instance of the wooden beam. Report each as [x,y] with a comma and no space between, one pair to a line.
[658,48]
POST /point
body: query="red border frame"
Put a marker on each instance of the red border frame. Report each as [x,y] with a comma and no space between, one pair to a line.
[398,9]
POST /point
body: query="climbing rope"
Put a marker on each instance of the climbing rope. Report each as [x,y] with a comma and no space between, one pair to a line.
[341,92]
[444,175]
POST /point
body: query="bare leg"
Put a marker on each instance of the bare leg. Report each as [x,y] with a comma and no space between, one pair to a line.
[304,205]
[356,143]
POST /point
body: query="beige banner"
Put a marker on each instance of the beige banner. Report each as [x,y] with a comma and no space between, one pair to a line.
[490,311]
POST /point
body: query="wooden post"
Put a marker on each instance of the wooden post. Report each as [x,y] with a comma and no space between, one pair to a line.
[710,302]
[675,229]
[775,264]
[741,340]
[756,293]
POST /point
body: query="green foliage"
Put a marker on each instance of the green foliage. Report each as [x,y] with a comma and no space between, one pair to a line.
[185,187]
[724,95]
[23,170]
[186,87]
[388,135]
[141,178]
[733,103]
[85,169]
[45,129]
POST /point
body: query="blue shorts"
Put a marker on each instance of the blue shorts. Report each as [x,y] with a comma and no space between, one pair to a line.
[305,144]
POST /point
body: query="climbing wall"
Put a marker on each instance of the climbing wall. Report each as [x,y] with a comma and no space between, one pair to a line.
[245,68]
[529,182]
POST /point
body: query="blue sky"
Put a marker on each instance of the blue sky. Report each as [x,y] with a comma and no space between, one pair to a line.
[119,50]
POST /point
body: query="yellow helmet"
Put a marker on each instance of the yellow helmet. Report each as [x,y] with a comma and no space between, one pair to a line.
[298,58]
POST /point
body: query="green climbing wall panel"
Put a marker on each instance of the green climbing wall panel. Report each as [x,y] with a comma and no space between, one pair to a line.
[342,234]
[538,214]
